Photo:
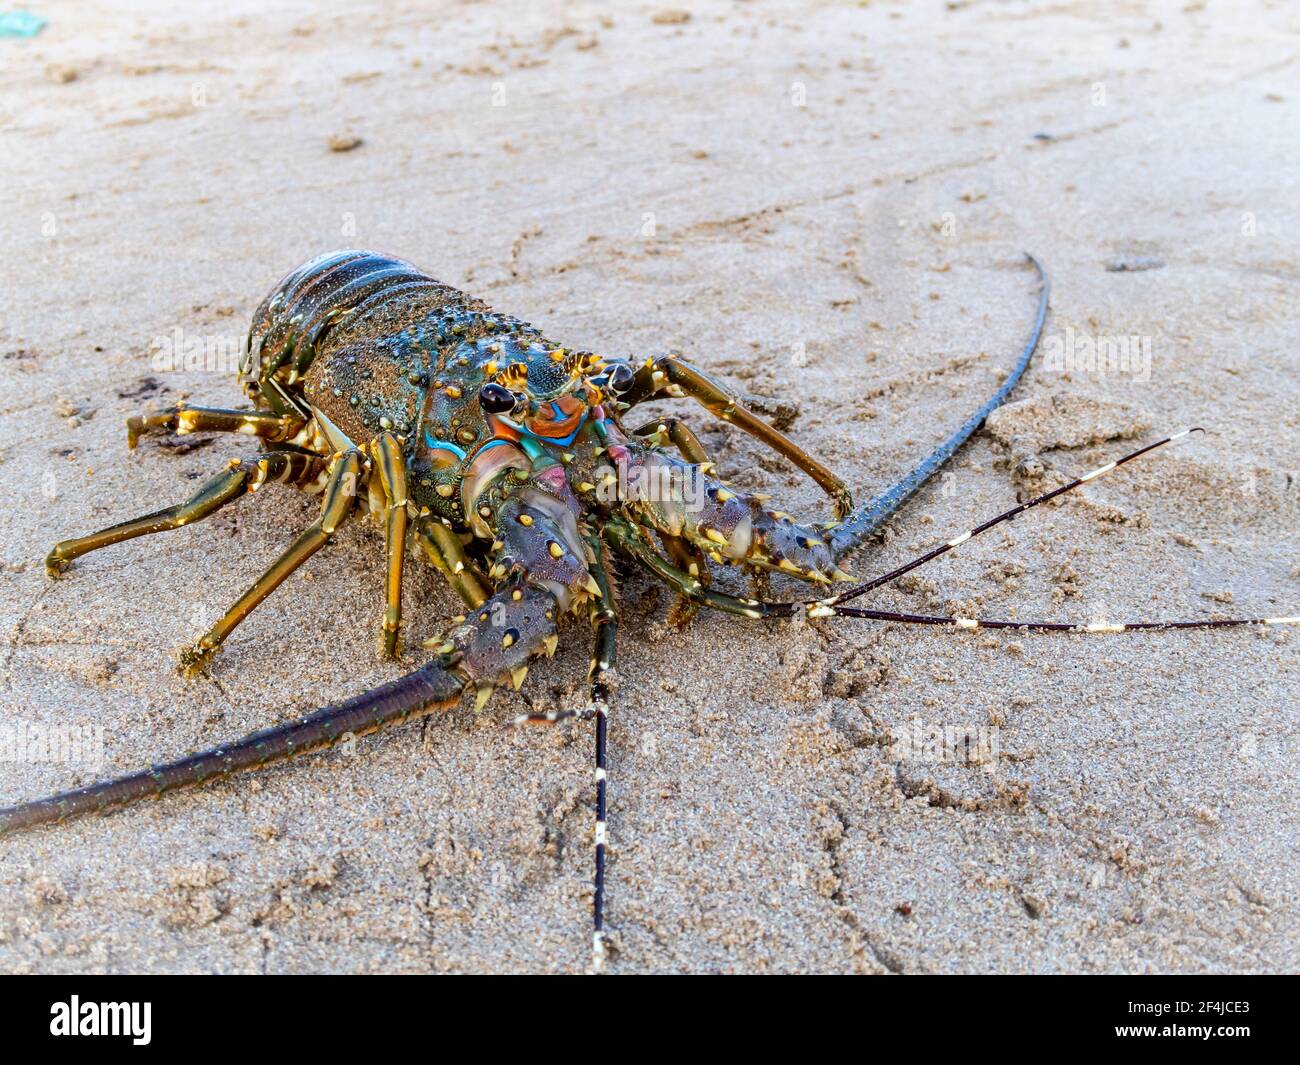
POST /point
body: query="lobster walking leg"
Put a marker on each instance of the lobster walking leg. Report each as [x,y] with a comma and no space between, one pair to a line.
[628,541]
[339,498]
[664,431]
[685,555]
[668,375]
[183,419]
[674,497]
[391,468]
[447,553]
[242,475]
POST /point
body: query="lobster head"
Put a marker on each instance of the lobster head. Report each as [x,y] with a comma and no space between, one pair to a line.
[544,391]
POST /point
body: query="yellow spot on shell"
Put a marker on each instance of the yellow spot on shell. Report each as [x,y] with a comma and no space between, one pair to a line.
[555,549]
[445,491]
[525,519]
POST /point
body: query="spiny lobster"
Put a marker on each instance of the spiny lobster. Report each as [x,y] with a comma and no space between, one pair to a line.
[505,458]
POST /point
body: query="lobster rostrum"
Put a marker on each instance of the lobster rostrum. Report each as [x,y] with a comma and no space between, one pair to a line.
[505,459]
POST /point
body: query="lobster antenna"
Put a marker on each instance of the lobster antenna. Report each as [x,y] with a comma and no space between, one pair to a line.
[826,611]
[604,622]
[956,541]
[600,705]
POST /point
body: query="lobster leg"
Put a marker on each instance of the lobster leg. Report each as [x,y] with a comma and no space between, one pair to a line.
[183,419]
[390,464]
[628,541]
[339,498]
[678,498]
[668,375]
[447,553]
[685,555]
[664,431]
[242,475]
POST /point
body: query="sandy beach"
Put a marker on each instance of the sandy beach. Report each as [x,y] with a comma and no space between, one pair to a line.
[827,205]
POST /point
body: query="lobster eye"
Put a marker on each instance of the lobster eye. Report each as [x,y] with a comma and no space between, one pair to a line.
[495,398]
[620,378]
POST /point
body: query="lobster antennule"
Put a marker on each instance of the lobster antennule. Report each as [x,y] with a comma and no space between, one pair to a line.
[426,689]
[1006,516]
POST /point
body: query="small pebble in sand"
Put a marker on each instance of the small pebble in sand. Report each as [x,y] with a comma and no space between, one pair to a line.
[344,142]
[46,891]
[61,73]
[1131,264]
[671,17]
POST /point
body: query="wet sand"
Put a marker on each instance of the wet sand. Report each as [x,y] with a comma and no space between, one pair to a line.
[826,206]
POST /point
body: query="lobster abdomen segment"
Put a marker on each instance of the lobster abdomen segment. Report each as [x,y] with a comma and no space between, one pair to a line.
[290,327]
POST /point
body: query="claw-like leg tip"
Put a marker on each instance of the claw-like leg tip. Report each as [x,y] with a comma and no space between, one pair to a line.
[193,659]
[517,676]
[390,645]
[550,643]
[843,576]
[55,566]
[483,694]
